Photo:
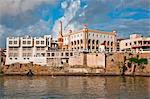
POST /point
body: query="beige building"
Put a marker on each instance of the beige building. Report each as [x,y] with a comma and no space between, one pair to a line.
[90,40]
[136,43]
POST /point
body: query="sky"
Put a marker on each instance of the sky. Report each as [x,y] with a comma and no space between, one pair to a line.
[41,17]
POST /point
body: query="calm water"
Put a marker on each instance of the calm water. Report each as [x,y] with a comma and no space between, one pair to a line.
[46,87]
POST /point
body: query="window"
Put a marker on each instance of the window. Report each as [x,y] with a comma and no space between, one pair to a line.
[53,54]
[29,49]
[97,42]
[108,43]
[42,42]
[93,42]
[43,54]
[23,48]
[92,47]
[10,42]
[97,48]
[74,42]
[42,48]
[15,54]
[93,34]
[71,54]
[67,54]
[135,43]
[15,49]
[67,61]
[78,41]
[15,42]
[24,42]
[29,54]
[61,54]
[111,43]
[24,55]
[38,48]
[81,41]
[126,44]
[88,47]
[10,54]
[37,42]
[48,54]
[29,42]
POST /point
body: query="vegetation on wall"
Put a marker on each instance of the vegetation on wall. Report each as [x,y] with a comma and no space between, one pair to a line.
[136,62]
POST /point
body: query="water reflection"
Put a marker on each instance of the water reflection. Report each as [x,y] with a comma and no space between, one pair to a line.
[46,87]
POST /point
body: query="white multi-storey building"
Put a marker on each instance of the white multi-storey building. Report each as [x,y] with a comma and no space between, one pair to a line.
[136,43]
[27,49]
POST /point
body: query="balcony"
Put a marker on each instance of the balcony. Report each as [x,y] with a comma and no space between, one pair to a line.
[140,45]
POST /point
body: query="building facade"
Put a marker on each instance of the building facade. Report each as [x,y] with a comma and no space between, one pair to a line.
[45,51]
[136,43]
[2,56]
[27,49]
[90,40]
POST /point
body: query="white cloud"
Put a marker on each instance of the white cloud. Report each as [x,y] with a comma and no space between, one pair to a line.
[39,29]
[1,30]
[14,7]
[70,8]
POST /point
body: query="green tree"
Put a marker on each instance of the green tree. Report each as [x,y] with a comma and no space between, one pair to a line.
[136,61]
[142,62]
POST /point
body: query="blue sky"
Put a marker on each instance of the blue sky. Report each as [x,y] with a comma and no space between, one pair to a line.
[39,17]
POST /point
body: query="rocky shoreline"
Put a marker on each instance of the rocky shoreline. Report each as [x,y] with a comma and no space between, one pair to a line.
[78,74]
[37,70]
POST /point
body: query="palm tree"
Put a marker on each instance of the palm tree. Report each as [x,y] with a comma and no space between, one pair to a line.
[136,61]
[142,62]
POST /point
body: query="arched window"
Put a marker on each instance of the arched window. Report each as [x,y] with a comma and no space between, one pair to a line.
[93,41]
[78,41]
[89,40]
[81,41]
[111,43]
[74,42]
[108,43]
[97,42]
[71,43]
[105,43]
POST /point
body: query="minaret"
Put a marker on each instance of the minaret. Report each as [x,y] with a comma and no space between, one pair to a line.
[60,37]
[85,31]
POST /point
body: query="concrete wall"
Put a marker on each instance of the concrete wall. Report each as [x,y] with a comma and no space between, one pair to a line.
[96,60]
[114,60]
[93,60]
[76,60]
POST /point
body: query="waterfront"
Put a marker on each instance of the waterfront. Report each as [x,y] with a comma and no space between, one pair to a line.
[74,87]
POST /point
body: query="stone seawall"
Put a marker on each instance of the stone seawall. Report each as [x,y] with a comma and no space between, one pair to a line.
[113,61]
[112,66]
